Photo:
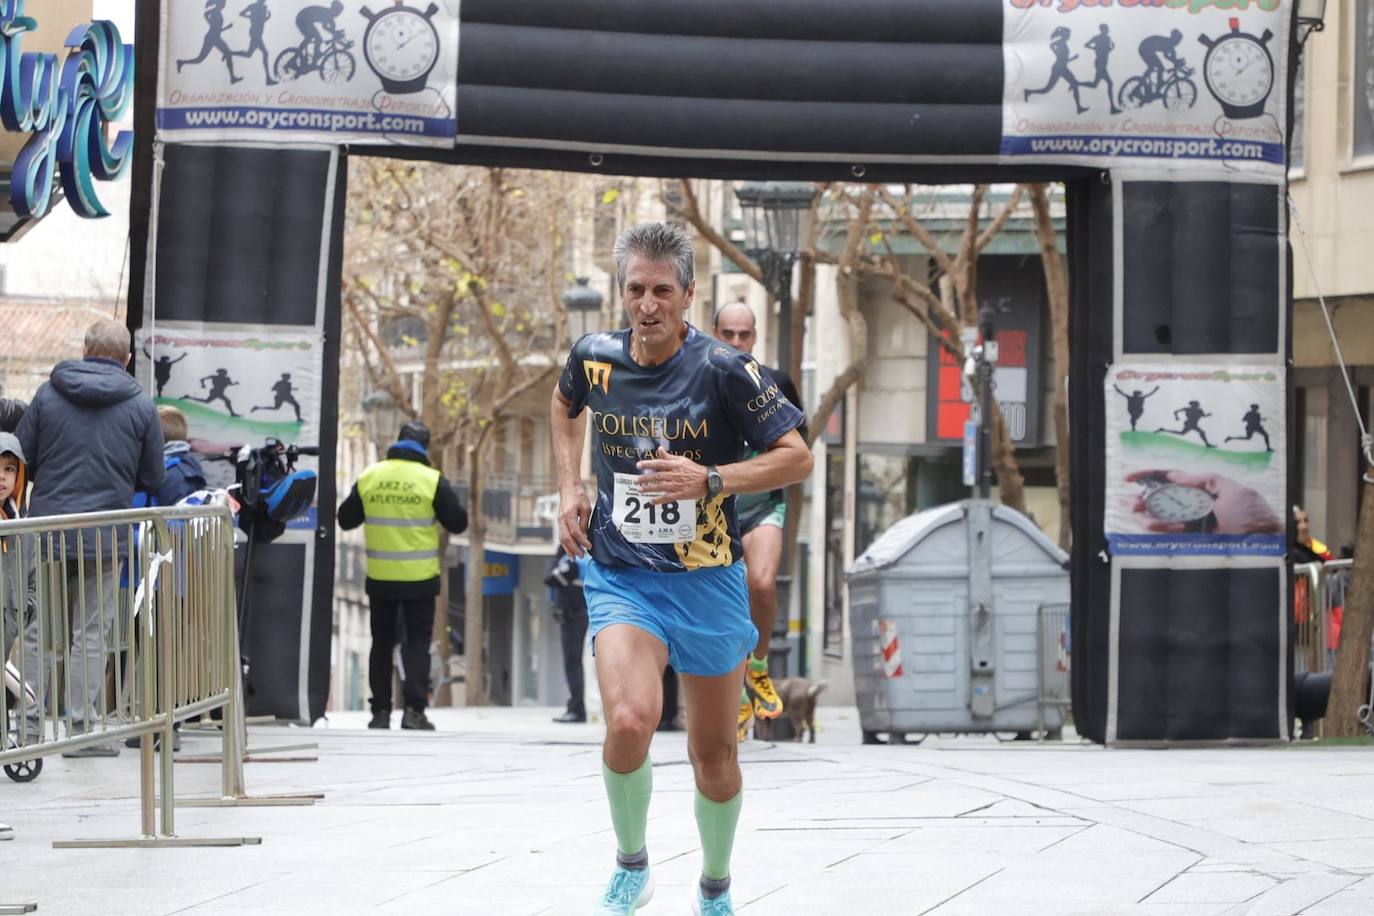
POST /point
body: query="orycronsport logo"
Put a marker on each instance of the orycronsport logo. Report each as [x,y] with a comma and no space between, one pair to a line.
[1145,147]
[1245,545]
[300,119]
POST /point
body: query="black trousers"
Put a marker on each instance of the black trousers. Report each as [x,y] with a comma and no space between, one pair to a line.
[387,616]
[574,627]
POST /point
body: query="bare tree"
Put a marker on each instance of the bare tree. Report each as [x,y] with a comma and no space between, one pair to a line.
[1057,286]
[458,271]
[1350,679]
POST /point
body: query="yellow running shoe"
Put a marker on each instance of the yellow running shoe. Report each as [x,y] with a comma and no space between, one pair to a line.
[746,712]
[767,703]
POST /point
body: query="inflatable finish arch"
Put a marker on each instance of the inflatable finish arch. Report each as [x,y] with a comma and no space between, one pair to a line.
[1167,119]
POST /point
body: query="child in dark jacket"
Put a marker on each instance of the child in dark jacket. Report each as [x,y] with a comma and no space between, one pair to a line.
[17,586]
[184,473]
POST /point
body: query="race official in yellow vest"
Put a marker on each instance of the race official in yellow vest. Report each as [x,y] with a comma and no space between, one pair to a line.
[400,502]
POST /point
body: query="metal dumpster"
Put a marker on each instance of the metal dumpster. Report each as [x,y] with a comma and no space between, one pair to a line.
[943,612]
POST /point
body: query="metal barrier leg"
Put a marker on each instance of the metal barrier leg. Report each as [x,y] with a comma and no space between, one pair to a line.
[156,692]
[232,756]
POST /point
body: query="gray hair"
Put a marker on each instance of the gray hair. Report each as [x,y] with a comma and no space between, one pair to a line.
[109,339]
[663,243]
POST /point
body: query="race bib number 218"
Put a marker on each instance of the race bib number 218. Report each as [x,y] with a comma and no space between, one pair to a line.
[641,522]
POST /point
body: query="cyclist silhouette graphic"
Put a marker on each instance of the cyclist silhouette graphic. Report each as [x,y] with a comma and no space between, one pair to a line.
[318,24]
[1191,415]
[323,48]
[257,15]
[1169,85]
[214,40]
[283,391]
[1135,403]
[218,383]
[1254,425]
[1059,44]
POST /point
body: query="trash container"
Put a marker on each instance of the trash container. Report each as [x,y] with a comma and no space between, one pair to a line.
[943,615]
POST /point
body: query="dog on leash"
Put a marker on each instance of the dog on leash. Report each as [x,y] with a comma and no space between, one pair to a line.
[798,705]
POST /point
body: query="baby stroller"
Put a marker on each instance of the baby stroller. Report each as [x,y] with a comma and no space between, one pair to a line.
[29,769]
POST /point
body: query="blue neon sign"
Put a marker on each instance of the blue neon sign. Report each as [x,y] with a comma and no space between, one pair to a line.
[67,105]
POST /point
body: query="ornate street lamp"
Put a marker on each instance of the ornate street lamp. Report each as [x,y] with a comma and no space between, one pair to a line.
[772,238]
[1311,18]
[583,307]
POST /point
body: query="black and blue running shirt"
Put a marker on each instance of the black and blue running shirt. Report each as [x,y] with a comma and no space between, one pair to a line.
[705,402]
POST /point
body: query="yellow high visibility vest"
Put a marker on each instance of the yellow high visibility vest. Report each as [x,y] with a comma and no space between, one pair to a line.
[402,538]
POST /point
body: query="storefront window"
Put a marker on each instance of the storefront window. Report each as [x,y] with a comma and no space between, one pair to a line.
[1362,84]
[886,494]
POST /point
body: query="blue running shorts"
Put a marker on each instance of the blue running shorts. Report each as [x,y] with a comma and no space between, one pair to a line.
[702,616]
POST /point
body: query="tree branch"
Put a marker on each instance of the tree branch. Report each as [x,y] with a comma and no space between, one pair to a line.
[692,213]
[920,232]
[847,288]
[1000,222]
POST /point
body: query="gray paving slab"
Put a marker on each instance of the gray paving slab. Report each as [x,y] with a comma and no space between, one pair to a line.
[501,812]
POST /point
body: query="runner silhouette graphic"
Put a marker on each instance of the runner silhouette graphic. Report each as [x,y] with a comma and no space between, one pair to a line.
[1254,425]
[1135,403]
[1102,47]
[218,383]
[1191,415]
[162,369]
[257,15]
[1059,44]
[283,391]
[214,39]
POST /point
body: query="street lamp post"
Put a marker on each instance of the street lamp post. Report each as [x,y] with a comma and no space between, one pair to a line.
[1311,18]
[772,238]
[583,303]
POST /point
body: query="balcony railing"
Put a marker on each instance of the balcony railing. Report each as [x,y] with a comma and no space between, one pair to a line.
[517,508]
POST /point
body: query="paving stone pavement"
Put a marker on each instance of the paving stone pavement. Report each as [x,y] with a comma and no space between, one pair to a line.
[501,812]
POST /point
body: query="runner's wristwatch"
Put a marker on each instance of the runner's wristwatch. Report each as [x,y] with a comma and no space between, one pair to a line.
[714,482]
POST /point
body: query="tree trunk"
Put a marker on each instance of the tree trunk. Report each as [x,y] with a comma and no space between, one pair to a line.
[441,635]
[1352,657]
[1057,286]
[474,617]
[1009,480]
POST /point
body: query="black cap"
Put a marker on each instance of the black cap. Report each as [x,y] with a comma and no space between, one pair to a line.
[416,431]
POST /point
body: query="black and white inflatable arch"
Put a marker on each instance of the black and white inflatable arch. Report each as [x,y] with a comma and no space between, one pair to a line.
[1167,119]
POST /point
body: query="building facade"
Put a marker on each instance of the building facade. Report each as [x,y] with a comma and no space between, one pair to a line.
[1333,233]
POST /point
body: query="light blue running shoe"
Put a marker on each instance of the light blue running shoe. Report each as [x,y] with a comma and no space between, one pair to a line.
[715,906]
[630,889]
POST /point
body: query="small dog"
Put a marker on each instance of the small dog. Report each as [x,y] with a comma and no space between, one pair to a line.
[798,705]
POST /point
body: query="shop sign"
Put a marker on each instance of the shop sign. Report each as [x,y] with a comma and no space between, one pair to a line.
[67,106]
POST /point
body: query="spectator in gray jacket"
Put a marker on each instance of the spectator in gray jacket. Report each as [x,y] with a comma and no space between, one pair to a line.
[91,437]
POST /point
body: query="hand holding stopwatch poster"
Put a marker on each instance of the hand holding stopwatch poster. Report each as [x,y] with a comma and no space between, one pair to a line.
[1192,452]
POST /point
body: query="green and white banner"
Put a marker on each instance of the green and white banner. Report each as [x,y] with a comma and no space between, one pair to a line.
[1195,460]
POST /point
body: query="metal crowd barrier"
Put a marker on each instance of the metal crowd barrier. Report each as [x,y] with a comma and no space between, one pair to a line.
[1317,588]
[1054,641]
[149,595]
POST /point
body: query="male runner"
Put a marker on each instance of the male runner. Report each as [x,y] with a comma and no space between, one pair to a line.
[669,407]
[761,517]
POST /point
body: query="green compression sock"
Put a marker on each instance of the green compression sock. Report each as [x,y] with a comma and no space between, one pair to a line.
[758,664]
[629,794]
[716,822]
